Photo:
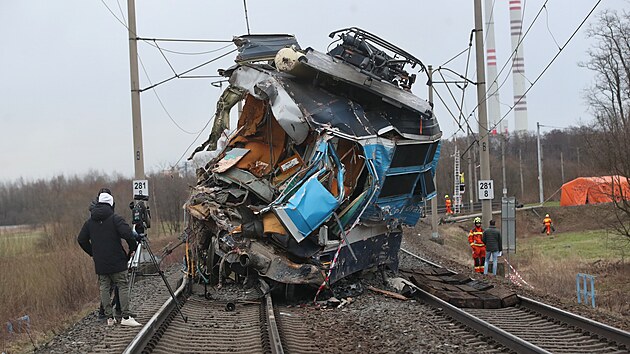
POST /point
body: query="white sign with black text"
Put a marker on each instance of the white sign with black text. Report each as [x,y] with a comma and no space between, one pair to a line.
[141,187]
[485,189]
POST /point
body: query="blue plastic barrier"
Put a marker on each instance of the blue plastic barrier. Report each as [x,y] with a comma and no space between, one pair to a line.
[19,325]
[583,292]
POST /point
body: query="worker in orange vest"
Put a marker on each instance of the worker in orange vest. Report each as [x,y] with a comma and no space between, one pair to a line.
[478,247]
[448,205]
[548,225]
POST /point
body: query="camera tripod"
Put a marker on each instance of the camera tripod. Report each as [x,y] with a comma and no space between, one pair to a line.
[133,268]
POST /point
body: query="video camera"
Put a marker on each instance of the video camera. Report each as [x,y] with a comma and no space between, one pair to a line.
[140,214]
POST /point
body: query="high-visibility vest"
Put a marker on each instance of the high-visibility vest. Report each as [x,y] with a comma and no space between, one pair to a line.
[475,237]
[547,221]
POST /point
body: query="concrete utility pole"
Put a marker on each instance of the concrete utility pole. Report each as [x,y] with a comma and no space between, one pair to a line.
[520,168]
[475,167]
[562,166]
[484,153]
[434,214]
[540,177]
[138,154]
[578,162]
[471,180]
[503,164]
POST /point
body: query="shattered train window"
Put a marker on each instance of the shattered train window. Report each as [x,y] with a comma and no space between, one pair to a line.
[427,187]
[410,155]
[398,185]
[432,151]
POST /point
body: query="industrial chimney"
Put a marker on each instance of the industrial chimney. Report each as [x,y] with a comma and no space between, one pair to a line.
[518,66]
[494,110]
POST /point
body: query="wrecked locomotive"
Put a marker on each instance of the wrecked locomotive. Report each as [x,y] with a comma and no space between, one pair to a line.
[331,156]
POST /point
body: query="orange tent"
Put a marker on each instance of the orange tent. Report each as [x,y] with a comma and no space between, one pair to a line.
[593,190]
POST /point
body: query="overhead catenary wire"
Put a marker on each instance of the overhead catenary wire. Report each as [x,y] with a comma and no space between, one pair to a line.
[465,82]
[461,111]
[455,56]
[550,62]
[522,37]
[162,103]
[511,62]
[184,40]
[155,40]
[509,59]
[122,13]
[195,140]
[449,110]
[484,39]
[149,40]
[182,75]
[189,70]
[458,105]
[113,14]
[490,16]
[165,58]
[188,53]
[549,29]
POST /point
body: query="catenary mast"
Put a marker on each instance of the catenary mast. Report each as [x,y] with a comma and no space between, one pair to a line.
[484,147]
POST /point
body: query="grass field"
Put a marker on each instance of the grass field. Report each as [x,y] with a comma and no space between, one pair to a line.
[50,279]
[589,245]
[19,241]
[552,263]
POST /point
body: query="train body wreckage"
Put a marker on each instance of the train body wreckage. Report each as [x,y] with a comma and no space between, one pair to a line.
[331,157]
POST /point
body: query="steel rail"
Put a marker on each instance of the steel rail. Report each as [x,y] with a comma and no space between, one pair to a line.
[272,327]
[507,339]
[143,337]
[504,338]
[424,260]
[146,334]
[614,334]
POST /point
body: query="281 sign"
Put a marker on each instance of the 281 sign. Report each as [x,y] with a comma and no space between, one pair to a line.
[485,189]
[141,187]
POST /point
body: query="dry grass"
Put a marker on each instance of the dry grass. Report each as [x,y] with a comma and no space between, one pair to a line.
[51,280]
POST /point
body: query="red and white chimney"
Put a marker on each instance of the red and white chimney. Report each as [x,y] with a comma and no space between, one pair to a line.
[494,109]
[518,66]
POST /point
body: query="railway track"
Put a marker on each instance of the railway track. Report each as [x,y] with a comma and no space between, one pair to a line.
[146,303]
[533,327]
[239,321]
[212,325]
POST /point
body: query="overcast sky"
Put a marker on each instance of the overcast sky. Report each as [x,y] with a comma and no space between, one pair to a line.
[65,104]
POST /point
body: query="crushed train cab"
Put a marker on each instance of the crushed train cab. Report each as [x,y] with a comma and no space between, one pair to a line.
[331,156]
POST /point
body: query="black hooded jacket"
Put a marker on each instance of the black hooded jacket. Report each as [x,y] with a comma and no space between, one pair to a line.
[101,237]
[492,239]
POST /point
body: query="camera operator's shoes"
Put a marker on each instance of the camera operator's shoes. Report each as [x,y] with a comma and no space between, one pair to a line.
[111,321]
[129,321]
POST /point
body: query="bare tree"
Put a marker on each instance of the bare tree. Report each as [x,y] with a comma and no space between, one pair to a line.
[171,191]
[609,99]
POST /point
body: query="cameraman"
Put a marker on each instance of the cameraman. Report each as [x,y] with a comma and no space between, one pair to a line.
[114,289]
[100,238]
